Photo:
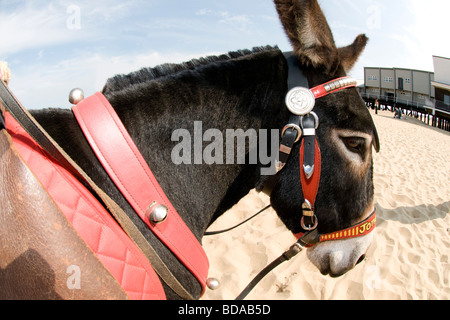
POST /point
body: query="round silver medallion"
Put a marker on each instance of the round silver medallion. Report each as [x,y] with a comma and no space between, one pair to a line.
[300,101]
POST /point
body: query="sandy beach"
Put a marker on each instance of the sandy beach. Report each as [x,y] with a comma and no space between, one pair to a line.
[409,258]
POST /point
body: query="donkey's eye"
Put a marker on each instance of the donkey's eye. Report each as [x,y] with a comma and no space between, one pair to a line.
[355,144]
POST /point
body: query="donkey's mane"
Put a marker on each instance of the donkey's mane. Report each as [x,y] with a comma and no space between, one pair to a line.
[120,82]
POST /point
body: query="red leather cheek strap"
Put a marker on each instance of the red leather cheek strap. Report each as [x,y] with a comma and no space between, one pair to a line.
[311,187]
[127,168]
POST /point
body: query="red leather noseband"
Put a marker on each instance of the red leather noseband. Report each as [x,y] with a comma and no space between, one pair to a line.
[361,229]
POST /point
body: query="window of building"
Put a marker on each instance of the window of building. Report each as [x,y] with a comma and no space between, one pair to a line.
[407,80]
[388,79]
[400,84]
[447,99]
[372,78]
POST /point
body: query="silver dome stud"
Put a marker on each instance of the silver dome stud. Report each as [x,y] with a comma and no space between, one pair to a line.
[157,213]
[76,96]
[213,284]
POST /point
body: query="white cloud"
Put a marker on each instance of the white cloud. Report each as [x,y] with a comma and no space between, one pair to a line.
[44,86]
[415,36]
[28,27]
[39,24]
[430,26]
[403,34]
[240,21]
[214,13]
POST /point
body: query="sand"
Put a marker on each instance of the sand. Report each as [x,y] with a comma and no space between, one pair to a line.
[409,258]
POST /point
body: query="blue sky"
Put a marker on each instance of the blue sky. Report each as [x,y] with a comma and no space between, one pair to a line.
[54,46]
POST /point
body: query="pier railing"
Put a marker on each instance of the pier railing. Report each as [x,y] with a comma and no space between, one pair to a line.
[429,104]
[433,112]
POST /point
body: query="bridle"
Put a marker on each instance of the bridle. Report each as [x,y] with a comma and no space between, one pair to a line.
[302,128]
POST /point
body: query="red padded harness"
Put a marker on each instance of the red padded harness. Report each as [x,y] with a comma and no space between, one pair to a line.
[127,168]
[102,234]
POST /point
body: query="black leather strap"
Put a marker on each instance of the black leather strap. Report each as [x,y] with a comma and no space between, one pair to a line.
[309,238]
[296,78]
[26,120]
[213,233]
[2,122]
[309,123]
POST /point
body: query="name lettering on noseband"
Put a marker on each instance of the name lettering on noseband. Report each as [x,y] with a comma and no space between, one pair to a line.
[359,230]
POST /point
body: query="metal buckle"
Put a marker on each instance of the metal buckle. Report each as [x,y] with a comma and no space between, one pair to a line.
[307,208]
[310,227]
[295,128]
[316,118]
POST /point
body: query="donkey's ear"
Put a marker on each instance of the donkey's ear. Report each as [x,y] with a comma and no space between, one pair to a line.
[350,54]
[309,33]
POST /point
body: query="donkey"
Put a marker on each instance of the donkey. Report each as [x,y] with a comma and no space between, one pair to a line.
[244,90]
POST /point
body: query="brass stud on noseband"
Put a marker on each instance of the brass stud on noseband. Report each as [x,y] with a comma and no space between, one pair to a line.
[157,213]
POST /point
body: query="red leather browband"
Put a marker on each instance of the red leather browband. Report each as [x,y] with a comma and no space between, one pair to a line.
[127,168]
[101,233]
[333,86]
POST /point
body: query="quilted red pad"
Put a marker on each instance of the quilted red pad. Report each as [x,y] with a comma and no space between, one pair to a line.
[96,227]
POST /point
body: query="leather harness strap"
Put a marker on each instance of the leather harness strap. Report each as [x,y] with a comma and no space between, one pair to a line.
[310,185]
[2,120]
[127,168]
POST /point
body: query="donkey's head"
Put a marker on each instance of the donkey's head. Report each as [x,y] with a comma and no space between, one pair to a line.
[346,135]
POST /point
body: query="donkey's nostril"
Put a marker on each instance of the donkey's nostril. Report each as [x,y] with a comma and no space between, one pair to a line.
[361,259]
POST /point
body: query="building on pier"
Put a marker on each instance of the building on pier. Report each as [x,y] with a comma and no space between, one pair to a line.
[424,94]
